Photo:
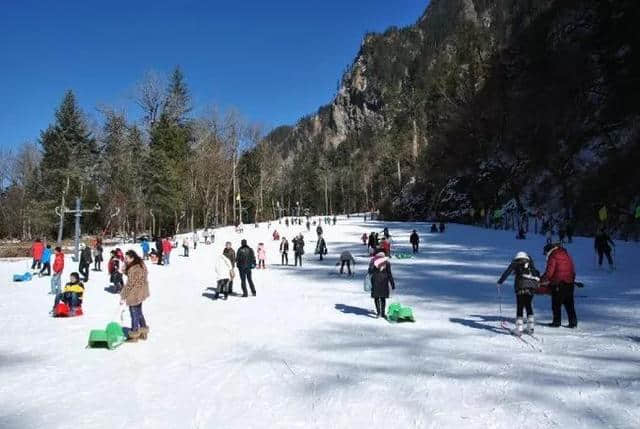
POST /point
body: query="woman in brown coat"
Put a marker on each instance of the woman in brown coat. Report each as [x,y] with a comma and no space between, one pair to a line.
[134,292]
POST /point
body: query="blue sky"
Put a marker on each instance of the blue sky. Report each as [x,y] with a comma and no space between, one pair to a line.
[275,61]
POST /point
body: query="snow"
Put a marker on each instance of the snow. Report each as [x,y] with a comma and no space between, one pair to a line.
[306,352]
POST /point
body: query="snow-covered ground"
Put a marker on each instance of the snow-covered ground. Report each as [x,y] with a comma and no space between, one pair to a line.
[307,353]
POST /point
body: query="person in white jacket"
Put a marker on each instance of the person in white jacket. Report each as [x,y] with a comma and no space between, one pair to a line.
[224,274]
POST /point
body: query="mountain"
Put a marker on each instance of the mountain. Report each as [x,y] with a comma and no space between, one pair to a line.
[479,103]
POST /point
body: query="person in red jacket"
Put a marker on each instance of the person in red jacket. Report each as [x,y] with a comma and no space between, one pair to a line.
[560,275]
[166,250]
[37,249]
[58,267]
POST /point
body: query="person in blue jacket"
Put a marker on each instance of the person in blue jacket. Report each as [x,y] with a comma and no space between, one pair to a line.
[145,249]
[46,261]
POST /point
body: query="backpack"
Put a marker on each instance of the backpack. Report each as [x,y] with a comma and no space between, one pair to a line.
[529,278]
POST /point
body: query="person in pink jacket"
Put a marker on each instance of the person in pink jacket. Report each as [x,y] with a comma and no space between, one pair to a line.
[262,255]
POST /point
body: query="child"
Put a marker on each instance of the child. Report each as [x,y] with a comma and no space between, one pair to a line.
[46,261]
[58,266]
[185,247]
[262,255]
[145,249]
[36,251]
[224,273]
[527,279]
[72,294]
[115,276]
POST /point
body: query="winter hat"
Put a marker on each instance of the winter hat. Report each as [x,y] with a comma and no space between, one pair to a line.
[380,260]
[521,255]
[243,242]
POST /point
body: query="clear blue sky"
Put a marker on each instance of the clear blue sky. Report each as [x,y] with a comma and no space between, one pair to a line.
[274,60]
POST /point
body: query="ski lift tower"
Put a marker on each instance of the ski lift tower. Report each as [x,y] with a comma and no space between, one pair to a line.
[60,211]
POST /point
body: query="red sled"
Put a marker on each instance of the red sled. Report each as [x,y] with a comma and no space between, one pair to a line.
[63,310]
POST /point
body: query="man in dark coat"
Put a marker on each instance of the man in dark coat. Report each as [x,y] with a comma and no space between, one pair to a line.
[159,250]
[298,249]
[603,243]
[246,261]
[414,239]
[381,279]
[560,275]
[321,247]
[231,255]
[85,262]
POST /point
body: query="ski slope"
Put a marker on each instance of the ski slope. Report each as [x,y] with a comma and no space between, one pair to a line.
[307,353]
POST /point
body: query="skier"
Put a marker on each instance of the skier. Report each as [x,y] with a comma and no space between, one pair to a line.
[159,251]
[526,281]
[97,257]
[414,239]
[58,267]
[46,261]
[321,247]
[381,279]
[231,255]
[134,292]
[262,256]
[298,249]
[560,275]
[346,258]
[224,274]
[144,246]
[71,295]
[284,251]
[85,262]
[37,249]
[602,244]
[246,261]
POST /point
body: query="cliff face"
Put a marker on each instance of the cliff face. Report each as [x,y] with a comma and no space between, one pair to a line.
[504,98]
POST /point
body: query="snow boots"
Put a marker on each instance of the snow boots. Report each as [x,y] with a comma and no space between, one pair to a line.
[530,324]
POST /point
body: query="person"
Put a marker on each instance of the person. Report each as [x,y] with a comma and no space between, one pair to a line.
[166,250]
[526,281]
[206,237]
[71,295]
[195,240]
[385,233]
[385,246]
[562,232]
[319,231]
[119,254]
[246,261]
[85,262]
[335,219]
[569,229]
[284,251]
[133,294]
[97,257]
[308,225]
[159,251]
[262,256]
[231,255]
[286,222]
[434,228]
[46,261]
[185,247]
[321,247]
[364,238]
[603,244]
[441,227]
[58,267]
[560,274]
[37,249]
[144,245]
[414,239]
[224,275]
[521,233]
[372,245]
[381,279]
[298,249]
[113,268]
[276,235]
[346,258]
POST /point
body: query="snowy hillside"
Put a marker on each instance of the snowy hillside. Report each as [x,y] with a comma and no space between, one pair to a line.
[308,353]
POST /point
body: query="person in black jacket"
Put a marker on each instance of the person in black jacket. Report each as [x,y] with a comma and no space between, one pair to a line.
[284,251]
[85,262]
[371,245]
[321,247]
[246,261]
[298,249]
[602,243]
[527,279]
[414,239]
[159,250]
[319,231]
[381,279]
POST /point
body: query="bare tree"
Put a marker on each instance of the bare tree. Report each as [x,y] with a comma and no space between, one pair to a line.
[150,94]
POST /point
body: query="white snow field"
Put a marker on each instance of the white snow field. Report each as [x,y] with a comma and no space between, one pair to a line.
[307,353]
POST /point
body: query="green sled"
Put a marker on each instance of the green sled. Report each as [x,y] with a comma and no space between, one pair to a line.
[109,338]
[403,255]
[398,313]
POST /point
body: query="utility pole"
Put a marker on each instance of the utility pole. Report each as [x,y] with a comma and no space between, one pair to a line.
[61,211]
